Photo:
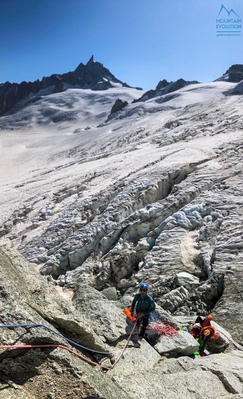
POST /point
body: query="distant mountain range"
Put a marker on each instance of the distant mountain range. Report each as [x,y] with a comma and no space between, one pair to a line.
[92,76]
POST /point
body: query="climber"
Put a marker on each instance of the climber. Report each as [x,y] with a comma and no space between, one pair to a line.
[142,305]
[200,322]
[206,334]
[204,322]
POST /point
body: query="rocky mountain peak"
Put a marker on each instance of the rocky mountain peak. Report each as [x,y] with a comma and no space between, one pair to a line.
[93,75]
[162,84]
[164,87]
[234,74]
[91,61]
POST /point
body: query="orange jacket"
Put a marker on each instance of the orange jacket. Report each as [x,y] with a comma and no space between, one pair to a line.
[213,333]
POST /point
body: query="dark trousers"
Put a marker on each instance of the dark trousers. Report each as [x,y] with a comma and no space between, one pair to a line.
[204,343]
[143,322]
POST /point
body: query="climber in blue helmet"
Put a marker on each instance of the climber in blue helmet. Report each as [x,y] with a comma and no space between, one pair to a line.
[142,305]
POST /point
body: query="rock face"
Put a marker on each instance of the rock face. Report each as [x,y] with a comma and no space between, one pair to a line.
[43,317]
[235,73]
[47,372]
[165,87]
[238,89]
[119,104]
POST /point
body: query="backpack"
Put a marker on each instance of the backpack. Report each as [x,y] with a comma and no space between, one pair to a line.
[151,336]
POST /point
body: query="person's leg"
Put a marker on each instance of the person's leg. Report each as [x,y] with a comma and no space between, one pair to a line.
[202,347]
[145,321]
[204,343]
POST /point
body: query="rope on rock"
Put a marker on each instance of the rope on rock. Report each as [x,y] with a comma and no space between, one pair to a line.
[163,329]
[55,332]
[124,348]
[155,324]
[51,346]
[62,346]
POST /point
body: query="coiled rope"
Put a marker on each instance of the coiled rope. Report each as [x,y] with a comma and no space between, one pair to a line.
[163,329]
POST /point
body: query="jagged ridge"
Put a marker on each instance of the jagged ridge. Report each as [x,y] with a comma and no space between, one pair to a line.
[93,75]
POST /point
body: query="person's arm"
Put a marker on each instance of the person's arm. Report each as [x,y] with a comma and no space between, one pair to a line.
[133,303]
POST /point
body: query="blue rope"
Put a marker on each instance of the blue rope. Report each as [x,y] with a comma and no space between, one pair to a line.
[48,328]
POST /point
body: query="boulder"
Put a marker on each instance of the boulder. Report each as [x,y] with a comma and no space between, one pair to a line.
[182,343]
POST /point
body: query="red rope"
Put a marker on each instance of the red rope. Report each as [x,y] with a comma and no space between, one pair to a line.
[160,328]
[124,348]
[56,346]
[71,351]
[163,329]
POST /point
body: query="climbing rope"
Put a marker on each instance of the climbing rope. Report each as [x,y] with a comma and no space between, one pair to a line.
[62,346]
[51,346]
[163,329]
[124,348]
[160,328]
[55,332]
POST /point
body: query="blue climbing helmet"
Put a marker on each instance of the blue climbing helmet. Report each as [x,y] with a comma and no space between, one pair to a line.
[143,287]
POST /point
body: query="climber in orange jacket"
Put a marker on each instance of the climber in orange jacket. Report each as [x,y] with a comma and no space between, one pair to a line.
[206,334]
[199,323]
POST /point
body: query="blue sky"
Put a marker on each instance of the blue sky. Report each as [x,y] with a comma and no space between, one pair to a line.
[140,41]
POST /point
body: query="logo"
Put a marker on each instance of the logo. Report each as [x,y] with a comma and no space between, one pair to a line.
[228,22]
